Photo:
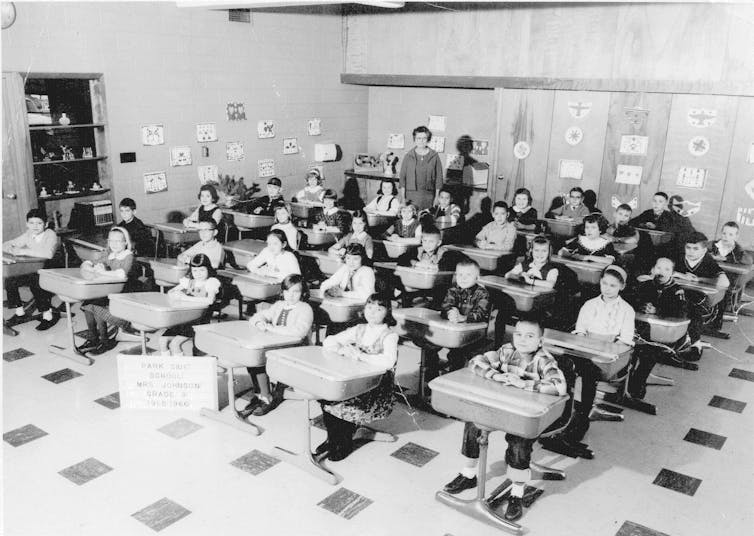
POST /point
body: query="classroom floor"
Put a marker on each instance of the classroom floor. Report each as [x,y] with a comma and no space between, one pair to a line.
[75,463]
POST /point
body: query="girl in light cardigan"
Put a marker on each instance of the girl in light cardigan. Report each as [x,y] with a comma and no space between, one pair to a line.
[353,279]
[276,260]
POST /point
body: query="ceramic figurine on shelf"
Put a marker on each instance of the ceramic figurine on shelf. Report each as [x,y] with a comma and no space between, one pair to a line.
[87,152]
[64,119]
[96,186]
[389,163]
[67,152]
[70,187]
[43,192]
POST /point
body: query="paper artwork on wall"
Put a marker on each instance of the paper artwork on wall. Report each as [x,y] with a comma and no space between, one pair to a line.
[626,174]
[574,135]
[454,161]
[636,116]
[206,132]
[749,188]
[521,150]
[236,111]
[314,127]
[290,145]
[437,122]
[745,216]
[688,208]
[152,135]
[207,174]
[579,110]
[701,117]
[155,182]
[266,128]
[571,169]
[437,144]
[636,145]
[750,155]
[698,145]
[396,141]
[690,177]
[266,167]
[234,151]
[180,156]
[480,147]
[616,202]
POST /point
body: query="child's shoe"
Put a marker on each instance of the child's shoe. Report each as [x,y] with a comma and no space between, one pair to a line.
[90,344]
[459,484]
[515,509]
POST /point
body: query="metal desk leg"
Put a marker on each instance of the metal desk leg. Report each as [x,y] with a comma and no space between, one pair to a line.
[238,422]
[622,398]
[656,379]
[70,353]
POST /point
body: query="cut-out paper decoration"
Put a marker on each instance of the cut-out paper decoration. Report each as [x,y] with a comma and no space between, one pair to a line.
[290,145]
[152,135]
[207,174]
[266,167]
[454,161]
[616,202]
[266,128]
[155,182]
[480,147]
[579,109]
[437,122]
[480,172]
[234,151]
[701,117]
[690,177]
[636,145]
[396,141]
[574,135]
[636,116]
[521,150]
[750,156]
[180,156]
[698,145]
[206,132]
[366,162]
[571,169]
[745,216]
[314,127]
[236,111]
[749,188]
[437,144]
[688,208]
[626,174]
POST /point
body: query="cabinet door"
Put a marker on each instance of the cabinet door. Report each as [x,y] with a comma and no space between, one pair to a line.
[19,194]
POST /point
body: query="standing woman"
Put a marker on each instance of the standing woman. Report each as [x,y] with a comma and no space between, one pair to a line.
[421,174]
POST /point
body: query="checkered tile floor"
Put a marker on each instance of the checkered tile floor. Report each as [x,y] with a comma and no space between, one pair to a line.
[99,469]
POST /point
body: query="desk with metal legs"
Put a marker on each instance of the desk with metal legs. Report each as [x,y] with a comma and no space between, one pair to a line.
[16,266]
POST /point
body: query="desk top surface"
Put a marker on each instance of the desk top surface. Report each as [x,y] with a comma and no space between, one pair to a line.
[335,366]
[496,253]
[242,333]
[10,258]
[174,228]
[740,269]
[245,245]
[503,283]
[430,317]
[75,277]
[598,350]
[156,301]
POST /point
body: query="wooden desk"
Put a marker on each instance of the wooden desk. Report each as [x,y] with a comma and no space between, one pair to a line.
[562,228]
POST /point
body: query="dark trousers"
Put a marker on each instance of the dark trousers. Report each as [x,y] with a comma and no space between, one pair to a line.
[517,455]
[590,375]
[339,432]
[42,297]
[457,357]
[701,315]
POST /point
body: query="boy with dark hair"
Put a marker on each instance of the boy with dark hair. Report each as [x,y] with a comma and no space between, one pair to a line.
[266,204]
[575,209]
[658,217]
[141,236]
[621,231]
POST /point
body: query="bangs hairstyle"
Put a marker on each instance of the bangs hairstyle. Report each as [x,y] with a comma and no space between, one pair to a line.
[617,272]
[293,280]
[200,260]
[280,235]
[313,173]
[212,191]
[361,215]
[128,203]
[422,129]
[624,206]
[126,236]
[541,240]
[532,318]
[661,194]
[391,182]
[358,249]
[732,225]
[576,189]
[280,207]
[430,229]
[500,204]
[523,191]
[35,213]
[383,301]
[330,194]
[696,238]
[409,205]
[212,223]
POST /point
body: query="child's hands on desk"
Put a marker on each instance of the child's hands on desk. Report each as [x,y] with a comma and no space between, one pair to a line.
[257,210]
[349,351]
[334,292]
[455,316]
[650,225]
[393,237]
[644,277]
[649,309]
[687,277]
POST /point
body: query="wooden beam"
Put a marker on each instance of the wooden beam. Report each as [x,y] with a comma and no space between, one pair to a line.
[699,87]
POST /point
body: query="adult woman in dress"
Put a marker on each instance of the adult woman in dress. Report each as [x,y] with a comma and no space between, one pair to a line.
[421,175]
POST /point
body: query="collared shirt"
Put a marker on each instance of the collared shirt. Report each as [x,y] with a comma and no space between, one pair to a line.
[473,302]
[540,372]
[704,267]
[576,214]
[500,236]
[42,245]
[735,255]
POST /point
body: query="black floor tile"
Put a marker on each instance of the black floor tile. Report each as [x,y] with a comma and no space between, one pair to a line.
[345,503]
[111,401]
[83,472]
[23,435]
[706,439]
[629,528]
[180,428]
[15,355]
[414,454]
[255,462]
[742,374]
[62,375]
[727,403]
[677,482]
[750,350]
[161,514]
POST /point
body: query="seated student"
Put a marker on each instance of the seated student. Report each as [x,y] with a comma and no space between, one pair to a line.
[536,269]
[201,287]
[590,246]
[621,231]
[608,316]
[407,227]
[372,342]
[575,210]
[290,316]
[658,217]
[141,236]
[428,256]
[445,208]
[330,218]
[208,245]
[657,294]
[727,249]
[207,209]
[35,242]
[697,262]
[351,200]
[266,204]
[357,235]
[524,364]
[352,280]
[499,233]
[116,261]
[284,223]
[387,202]
[681,226]
[276,260]
[521,214]
[313,192]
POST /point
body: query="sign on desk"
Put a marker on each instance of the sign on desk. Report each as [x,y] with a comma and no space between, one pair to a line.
[169,383]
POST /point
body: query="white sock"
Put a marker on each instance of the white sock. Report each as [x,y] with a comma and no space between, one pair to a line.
[47,315]
[518,489]
[469,472]
[519,477]
[20,311]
